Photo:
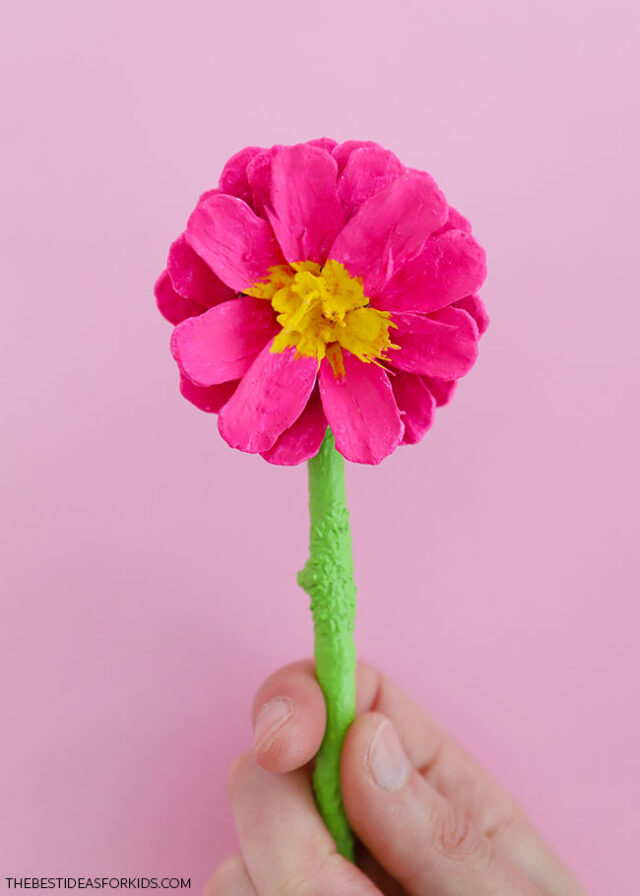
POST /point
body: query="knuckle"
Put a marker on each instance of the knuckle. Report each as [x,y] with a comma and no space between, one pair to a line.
[225,880]
[453,834]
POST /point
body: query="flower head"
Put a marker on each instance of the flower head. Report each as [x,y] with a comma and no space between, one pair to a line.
[321,284]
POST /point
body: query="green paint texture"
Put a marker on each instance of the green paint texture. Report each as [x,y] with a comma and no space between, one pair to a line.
[328,580]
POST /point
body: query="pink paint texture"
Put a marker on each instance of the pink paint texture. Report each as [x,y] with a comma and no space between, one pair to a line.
[148,570]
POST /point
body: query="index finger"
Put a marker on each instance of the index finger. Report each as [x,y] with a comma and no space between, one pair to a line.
[292,739]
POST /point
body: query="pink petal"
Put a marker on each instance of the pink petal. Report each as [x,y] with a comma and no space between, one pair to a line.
[259,177]
[443,345]
[303,439]
[369,170]
[389,229]
[207,195]
[416,404]
[174,307]
[233,179]
[326,143]
[342,151]
[222,343]
[237,245]
[442,390]
[361,410]
[449,267]
[474,306]
[455,221]
[194,279]
[269,399]
[207,398]
[307,213]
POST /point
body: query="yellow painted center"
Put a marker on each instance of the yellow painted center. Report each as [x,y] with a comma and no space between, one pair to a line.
[323,310]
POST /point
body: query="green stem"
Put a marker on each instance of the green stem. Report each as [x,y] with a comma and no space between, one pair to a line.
[328,579]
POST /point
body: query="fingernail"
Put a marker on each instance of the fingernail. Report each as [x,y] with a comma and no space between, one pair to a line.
[386,759]
[271,717]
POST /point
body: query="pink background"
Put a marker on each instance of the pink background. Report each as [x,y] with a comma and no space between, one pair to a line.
[149,571]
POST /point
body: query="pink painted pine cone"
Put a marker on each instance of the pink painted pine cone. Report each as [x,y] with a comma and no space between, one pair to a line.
[321,284]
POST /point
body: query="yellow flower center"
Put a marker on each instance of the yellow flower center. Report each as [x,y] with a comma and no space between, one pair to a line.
[323,310]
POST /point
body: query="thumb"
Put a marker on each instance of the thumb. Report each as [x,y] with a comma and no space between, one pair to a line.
[415,833]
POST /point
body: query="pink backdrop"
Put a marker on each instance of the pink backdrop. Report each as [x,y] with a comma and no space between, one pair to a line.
[149,571]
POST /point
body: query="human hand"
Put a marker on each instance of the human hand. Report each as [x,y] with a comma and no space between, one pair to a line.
[430,821]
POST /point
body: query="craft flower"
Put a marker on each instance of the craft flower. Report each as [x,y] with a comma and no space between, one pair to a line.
[321,284]
[325,302]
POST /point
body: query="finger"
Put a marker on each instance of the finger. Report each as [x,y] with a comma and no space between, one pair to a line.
[231,879]
[293,738]
[464,783]
[434,752]
[289,718]
[431,750]
[413,831]
[285,846]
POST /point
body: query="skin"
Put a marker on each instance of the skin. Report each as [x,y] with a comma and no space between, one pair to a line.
[440,825]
